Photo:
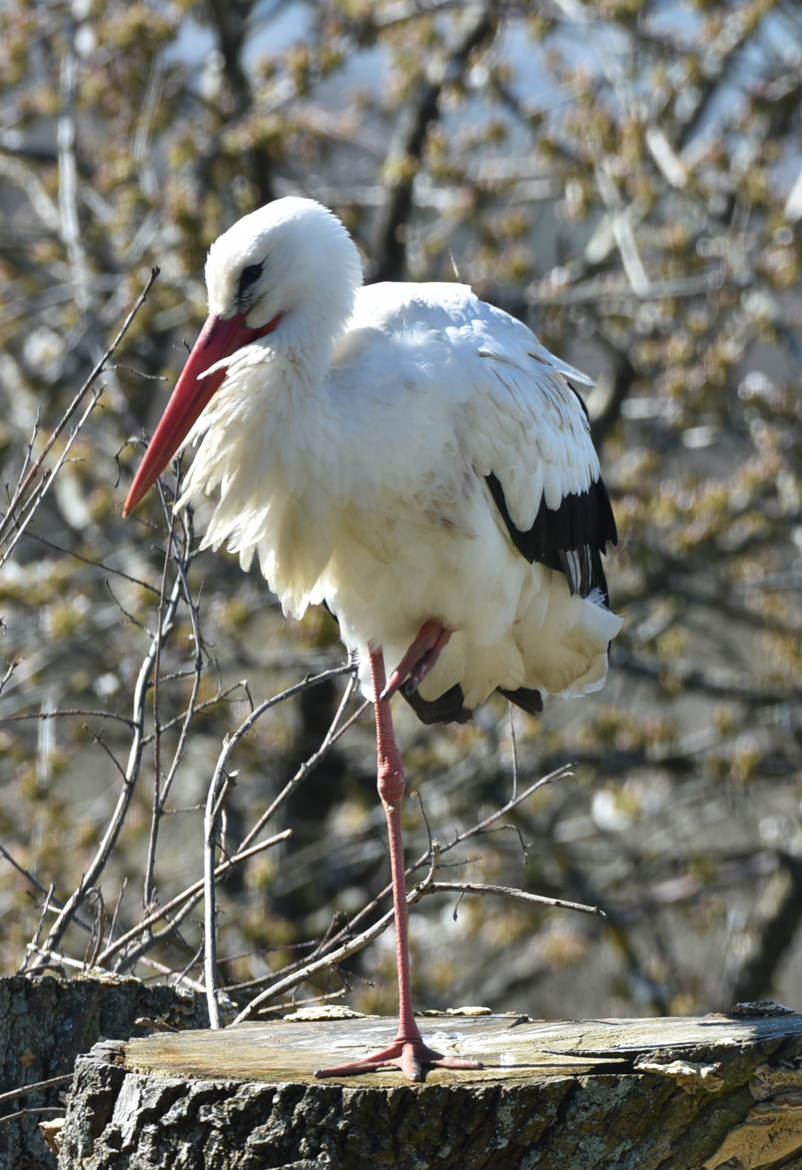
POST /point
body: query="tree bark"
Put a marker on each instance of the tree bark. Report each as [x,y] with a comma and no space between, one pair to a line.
[46,1022]
[655,1094]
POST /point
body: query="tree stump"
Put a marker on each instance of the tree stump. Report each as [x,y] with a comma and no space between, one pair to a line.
[654,1094]
[45,1022]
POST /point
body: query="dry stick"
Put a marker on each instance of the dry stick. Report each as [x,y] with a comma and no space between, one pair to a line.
[161,970]
[514,742]
[357,943]
[10,668]
[182,979]
[213,806]
[313,948]
[24,1089]
[182,563]
[186,899]
[210,816]
[33,945]
[25,873]
[557,774]
[150,862]
[30,504]
[512,892]
[343,952]
[27,487]
[191,897]
[312,1001]
[332,735]
[101,743]
[352,947]
[48,902]
[132,769]
[117,908]
[330,738]
[220,697]
[70,552]
[98,928]
[300,966]
[31,1112]
[161,792]
[63,712]
[29,446]
[300,972]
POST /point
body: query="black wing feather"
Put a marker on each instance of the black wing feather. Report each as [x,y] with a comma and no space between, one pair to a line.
[446,708]
[526,698]
[570,538]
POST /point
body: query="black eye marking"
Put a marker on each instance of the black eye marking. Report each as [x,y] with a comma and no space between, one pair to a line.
[249,275]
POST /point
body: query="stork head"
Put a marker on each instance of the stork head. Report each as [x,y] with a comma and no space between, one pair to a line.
[284,276]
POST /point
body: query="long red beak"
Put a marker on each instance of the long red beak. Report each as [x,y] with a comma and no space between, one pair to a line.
[219,338]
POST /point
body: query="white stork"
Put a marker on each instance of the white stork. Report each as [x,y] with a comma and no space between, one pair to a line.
[414,459]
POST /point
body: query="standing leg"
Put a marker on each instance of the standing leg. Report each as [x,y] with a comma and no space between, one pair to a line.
[408,1052]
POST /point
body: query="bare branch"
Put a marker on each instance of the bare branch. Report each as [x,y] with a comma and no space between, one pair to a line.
[511,892]
[186,899]
[213,804]
[355,943]
[132,769]
[50,1083]
[36,481]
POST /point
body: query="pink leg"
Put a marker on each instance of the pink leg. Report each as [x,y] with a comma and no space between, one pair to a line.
[419,659]
[407,1052]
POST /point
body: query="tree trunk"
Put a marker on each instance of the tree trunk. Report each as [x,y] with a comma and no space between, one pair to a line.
[654,1094]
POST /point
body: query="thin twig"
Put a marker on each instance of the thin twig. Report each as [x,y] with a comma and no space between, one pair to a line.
[214,802]
[328,742]
[98,863]
[512,892]
[188,897]
[28,483]
[39,487]
[220,697]
[155,819]
[63,713]
[31,1111]
[347,944]
[161,791]
[25,1089]
[98,928]
[69,552]
[210,820]
[343,952]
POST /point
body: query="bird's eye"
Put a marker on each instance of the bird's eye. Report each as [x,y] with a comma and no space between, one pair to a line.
[249,275]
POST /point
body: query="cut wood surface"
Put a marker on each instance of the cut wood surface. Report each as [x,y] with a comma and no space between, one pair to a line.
[712,1092]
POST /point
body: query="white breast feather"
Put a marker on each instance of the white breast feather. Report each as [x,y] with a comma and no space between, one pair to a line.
[368,491]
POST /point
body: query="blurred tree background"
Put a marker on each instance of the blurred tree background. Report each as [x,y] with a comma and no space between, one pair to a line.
[625,176]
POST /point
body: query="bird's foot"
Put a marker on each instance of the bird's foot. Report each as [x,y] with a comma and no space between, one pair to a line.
[412,1057]
[419,659]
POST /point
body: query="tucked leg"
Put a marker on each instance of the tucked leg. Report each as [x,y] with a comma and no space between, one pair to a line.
[419,659]
[408,1051]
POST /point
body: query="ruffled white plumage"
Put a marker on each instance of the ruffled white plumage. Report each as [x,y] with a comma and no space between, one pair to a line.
[355,470]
